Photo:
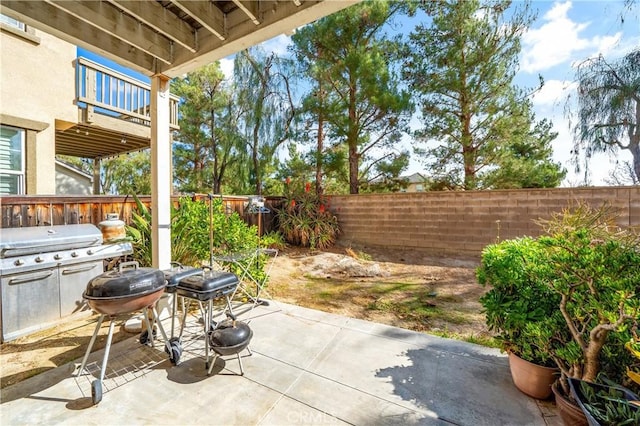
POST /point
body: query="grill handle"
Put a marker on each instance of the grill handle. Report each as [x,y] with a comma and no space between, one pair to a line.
[126,265]
[69,271]
[9,251]
[14,281]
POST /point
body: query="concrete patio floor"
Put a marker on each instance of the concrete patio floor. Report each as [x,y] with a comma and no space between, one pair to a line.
[307,367]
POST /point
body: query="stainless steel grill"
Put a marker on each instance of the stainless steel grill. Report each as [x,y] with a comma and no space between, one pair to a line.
[44,270]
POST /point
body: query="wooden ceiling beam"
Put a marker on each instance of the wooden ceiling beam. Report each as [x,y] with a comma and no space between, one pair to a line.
[60,24]
[116,24]
[161,20]
[250,8]
[206,13]
[277,18]
[102,26]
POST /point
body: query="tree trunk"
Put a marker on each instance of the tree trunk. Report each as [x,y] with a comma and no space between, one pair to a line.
[635,151]
[592,356]
[634,142]
[320,148]
[353,170]
[352,141]
[214,149]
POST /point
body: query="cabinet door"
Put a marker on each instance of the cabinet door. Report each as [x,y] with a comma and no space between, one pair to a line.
[73,282]
[29,301]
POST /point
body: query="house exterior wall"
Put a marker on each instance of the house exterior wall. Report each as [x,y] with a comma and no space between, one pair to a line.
[71,182]
[464,222]
[37,85]
[414,187]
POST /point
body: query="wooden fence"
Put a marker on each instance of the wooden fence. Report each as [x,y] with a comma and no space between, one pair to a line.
[23,211]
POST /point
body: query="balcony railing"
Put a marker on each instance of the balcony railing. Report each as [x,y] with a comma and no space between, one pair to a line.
[106,91]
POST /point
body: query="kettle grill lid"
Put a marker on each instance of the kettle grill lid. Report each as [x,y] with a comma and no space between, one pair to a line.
[125,282]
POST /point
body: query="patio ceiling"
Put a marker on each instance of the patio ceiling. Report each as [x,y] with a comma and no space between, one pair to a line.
[169,37]
[86,141]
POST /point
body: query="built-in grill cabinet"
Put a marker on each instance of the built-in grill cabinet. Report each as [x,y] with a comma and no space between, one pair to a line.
[44,271]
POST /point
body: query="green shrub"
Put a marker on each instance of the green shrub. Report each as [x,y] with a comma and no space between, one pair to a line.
[595,269]
[190,234]
[520,307]
[571,295]
[273,240]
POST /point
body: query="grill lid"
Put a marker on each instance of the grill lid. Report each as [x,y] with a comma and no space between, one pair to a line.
[179,272]
[129,280]
[230,333]
[40,239]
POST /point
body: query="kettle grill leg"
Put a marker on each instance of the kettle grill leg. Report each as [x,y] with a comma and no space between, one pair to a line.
[91,342]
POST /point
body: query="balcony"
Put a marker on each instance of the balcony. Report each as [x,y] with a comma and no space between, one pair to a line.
[114,114]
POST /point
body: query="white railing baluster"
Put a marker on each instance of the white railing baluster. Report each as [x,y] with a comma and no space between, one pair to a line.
[110,92]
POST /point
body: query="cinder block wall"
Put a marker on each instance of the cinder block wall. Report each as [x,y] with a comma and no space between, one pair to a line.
[462,223]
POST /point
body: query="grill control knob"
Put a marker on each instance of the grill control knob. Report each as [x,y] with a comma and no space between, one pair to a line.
[74,254]
[89,252]
[39,259]
[57,256]
[19,262]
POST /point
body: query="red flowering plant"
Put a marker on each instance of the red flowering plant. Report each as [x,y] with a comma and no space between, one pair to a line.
[305,218]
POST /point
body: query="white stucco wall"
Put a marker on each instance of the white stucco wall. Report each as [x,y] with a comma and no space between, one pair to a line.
[37,82]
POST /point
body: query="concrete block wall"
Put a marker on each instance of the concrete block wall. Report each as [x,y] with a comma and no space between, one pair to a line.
[462,223]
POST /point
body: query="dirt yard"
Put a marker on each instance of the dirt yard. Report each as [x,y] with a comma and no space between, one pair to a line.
[400,288]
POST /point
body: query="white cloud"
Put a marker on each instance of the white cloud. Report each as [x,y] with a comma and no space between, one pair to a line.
[608,44]
[552,94]
[278,45]
[560,39]
[555,42]
[226,65]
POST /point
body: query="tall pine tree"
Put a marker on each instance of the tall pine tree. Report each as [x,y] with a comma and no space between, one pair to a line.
[357,94]
[462,66]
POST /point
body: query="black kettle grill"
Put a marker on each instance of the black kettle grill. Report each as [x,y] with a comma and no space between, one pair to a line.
[230,337]
[125,290]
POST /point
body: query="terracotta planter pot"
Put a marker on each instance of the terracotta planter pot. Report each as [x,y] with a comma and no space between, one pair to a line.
[532,379]
[570,413]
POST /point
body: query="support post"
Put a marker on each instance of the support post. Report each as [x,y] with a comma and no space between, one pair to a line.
[160,173]
[96,176]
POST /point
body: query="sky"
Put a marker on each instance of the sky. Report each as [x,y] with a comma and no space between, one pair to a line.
[564,34]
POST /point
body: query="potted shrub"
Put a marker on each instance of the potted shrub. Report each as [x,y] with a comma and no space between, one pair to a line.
[593,267]
[611,403]
[519,307]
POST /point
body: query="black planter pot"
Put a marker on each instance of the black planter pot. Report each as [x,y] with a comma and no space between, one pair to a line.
[578,394]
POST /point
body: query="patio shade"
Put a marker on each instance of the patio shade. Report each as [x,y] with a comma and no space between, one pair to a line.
[168,37]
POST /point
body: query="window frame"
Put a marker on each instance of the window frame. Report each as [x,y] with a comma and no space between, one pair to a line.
[21,174]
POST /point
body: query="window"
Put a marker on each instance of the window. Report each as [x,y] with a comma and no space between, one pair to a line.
[11,160]
[12,22]
[419,187]
[19,29]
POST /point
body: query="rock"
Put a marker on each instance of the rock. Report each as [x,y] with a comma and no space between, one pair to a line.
[331,265]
